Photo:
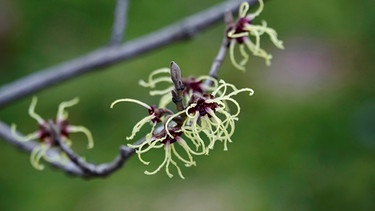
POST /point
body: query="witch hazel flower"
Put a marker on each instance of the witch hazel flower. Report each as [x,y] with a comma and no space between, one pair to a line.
[209,114]
[45,131]
[206,114]
[160,139]
[240,32]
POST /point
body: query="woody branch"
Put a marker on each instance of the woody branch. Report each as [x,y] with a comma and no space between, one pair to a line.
[107,56]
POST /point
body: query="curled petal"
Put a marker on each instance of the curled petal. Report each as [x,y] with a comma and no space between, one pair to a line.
[131,100]
[41,151]
[84,130]
[226,129]
[243,9]
[32,113]
[244,55]
[61,114]
[188,151]
[139,125]
[166,162]
[151,83]
[29,137]
[222,91]
[232,34]
[207,88]
[257,12]
[232,57]
[258,51]
[162,92]
[37,153]
[258,30]
[192,130]
[142,122]
[149,145]
[170,119]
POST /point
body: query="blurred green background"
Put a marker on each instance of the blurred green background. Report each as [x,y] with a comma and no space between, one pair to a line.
[304,141]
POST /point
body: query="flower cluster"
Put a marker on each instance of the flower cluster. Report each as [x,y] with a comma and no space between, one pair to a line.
[205,111]
[205,120]
[240,32]
[45,133]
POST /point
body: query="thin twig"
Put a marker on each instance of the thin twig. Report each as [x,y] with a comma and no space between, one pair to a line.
[119,23]
[91,170]
[105,57]
[218,61]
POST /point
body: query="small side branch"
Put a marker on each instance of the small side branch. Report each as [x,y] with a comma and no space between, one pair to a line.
[119,23]
[218,61]
[91,170]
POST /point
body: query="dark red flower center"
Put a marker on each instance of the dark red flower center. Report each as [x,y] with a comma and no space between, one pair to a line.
[155,111]
[46,134]
[239,27]
[202,106]
[175,132]
[193,84]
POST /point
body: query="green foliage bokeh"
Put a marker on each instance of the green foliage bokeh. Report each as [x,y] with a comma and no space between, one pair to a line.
[302,142]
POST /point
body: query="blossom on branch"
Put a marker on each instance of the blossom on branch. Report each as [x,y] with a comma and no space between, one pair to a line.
[45,133]
[240,32]
[159,139]
[209,114]
[193,129]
